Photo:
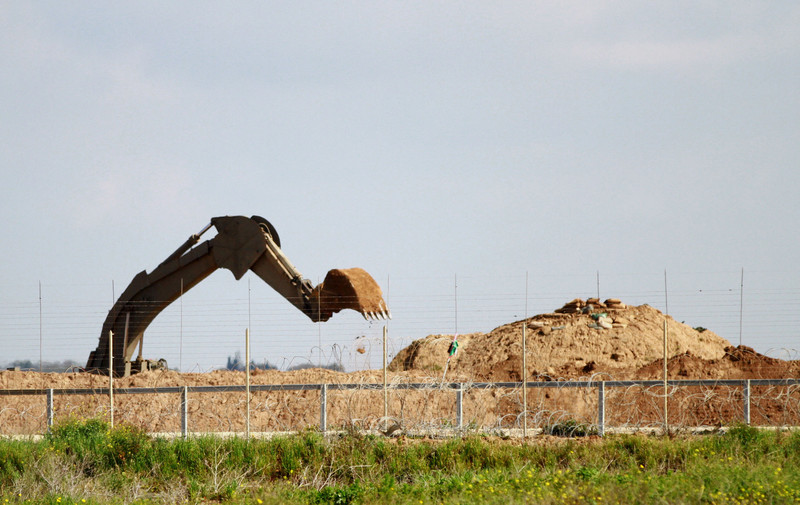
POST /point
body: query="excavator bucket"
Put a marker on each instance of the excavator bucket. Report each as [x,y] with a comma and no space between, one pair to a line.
[350,288]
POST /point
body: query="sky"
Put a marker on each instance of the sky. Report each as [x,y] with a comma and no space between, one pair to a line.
[484,161]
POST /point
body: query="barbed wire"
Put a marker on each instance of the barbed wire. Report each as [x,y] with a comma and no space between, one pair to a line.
[422,406]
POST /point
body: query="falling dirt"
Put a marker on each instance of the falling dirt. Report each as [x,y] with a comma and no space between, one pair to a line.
[350,288]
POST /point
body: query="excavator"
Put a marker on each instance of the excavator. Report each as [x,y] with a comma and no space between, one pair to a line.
[241,244]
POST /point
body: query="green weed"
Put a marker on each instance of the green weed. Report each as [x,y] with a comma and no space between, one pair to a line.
[87,460]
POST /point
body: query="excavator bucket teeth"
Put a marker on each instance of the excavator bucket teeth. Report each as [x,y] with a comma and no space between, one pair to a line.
[351,288]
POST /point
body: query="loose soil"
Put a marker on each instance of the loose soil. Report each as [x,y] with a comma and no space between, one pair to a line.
[351,288]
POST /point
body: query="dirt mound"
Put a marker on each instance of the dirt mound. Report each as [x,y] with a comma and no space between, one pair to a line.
[740,362]
[581,338]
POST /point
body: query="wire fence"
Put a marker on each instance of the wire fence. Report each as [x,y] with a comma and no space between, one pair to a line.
[415,408]
[51,322]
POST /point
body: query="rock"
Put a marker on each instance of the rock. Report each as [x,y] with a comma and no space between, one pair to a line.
[595,303]
[571,307]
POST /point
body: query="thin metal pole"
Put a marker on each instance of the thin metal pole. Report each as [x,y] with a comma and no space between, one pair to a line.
[598,284]
[526,295]
[666,311]
[741,305]
[385,384]
[247,360]
[525,365]
[180,344]
[524,381]
[601,408]
[460,406]
[111,374]
[247,377]
[455,301]
[666,422]
[185,411]
[41,341]
[50,414]
[323,408]
[746,399]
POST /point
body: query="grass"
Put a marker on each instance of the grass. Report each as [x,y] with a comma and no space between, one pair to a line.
[86,462]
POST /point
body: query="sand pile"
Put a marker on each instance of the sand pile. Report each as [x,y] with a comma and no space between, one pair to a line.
[739,362]
[580,338]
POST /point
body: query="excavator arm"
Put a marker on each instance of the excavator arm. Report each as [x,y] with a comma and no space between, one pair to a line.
[241,244]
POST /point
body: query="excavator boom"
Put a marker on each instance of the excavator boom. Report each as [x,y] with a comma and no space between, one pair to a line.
[241,244]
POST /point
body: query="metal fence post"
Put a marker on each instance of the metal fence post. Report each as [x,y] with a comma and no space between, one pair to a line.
[385,384]
[525,369]
[49,409]
[601,408]
[460,406]
[746,400]
[323,408]
[247,379]
[185,411]
[111,375]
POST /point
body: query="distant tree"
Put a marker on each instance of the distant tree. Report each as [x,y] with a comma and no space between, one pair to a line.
[25,364]
[47,366]
[266,365]
[236,363]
